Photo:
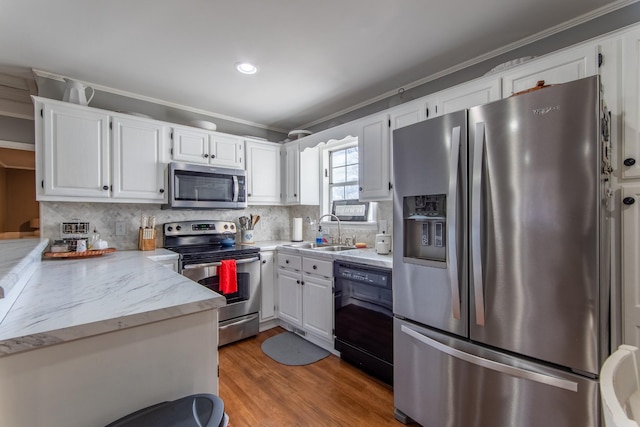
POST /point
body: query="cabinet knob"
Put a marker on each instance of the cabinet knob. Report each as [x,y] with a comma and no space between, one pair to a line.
[628,201]
[205,155]
[360,188]
[213,156]
[315,267]
[248,194]
[298,282]
[630,161]
[295,195]
[264,261]
[161,190]
[286,261]
[105,187]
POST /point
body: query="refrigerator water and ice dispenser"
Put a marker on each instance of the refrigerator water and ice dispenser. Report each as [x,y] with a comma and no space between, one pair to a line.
[425,228]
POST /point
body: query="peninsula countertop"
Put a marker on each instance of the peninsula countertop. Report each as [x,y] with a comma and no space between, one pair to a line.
[68,299]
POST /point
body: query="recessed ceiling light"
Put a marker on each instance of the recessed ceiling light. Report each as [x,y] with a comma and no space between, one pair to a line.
[246,68]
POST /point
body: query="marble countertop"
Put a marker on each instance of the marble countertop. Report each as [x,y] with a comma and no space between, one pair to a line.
[68,299]
[367,256]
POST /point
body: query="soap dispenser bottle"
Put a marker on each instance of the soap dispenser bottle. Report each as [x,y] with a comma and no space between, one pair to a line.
[319,236]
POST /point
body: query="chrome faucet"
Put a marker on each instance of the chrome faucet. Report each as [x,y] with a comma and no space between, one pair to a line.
[337,219]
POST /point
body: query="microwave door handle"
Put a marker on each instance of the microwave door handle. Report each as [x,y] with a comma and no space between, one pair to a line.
[218,264]
[452,228]
[476,254]
[236,188]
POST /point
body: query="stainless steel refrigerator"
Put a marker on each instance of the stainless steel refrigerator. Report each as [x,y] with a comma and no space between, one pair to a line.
[501,262]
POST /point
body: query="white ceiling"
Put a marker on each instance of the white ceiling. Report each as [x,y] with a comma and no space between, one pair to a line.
[315,57]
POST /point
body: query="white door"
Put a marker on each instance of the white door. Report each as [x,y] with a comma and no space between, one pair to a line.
[226,151]
[374,159]
[267,283]
[290,297]
[138,172]
[76,152]
[630,232]
[317,300]
[190,145]
[263,173]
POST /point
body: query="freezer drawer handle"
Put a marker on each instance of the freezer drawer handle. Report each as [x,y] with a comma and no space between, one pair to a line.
[452,222]
[490,364]
[476,263]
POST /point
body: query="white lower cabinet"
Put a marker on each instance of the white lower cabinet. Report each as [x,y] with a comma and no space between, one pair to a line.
[305,295]
[267,284]
[630,208]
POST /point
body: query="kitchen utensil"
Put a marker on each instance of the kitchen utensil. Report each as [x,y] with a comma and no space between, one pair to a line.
[75,92]
[254,221]
[247,236]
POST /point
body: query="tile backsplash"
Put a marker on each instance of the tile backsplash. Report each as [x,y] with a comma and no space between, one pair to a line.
[274,220]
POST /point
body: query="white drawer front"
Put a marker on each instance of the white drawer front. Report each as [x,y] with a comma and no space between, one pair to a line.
[291,262]
[317,267]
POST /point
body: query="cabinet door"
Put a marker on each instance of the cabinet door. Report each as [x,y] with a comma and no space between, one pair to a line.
[267,283]
[290,297]
[373,154]
[226,151]
[317,297]
[565,66]
[138,172]
[631,105]
[76,152]
[309,176]
[292,174]
[190,145]
[408,114]
[630,267]
[263,173]
[469,95]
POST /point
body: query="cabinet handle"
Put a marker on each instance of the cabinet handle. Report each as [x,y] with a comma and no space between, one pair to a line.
[264,261]
[205,155]
[298,282]
[628,201]
[630,161]
[248,194]
[286,261]
[295,195]
[213,156]
[105,187]
[315,267]
[360,188]
[161,190]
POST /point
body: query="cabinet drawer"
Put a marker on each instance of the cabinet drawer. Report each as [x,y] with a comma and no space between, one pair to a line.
[292,262]
[318,267]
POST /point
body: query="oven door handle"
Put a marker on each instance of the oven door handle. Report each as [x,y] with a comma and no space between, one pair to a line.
[218,264]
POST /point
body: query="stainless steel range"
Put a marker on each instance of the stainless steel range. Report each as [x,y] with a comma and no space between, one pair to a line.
[202,246]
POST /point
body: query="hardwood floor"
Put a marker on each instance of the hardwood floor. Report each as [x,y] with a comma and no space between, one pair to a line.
[258,391]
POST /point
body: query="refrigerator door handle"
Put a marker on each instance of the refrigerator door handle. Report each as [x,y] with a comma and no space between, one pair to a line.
[452,211]
[490,364]
[476,255]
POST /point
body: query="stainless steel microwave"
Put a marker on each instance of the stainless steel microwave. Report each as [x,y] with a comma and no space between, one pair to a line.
[205,187]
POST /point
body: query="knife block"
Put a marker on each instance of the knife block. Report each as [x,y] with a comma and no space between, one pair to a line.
[147,239]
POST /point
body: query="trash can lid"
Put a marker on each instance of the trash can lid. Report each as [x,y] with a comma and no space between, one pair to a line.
[206,410]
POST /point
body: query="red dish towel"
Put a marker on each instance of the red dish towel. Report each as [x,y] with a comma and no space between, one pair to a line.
[228,281]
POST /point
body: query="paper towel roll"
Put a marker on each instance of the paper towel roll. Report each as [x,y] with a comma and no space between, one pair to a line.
[296,231]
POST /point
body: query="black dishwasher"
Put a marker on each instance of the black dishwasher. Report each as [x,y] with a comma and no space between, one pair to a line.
[364,318]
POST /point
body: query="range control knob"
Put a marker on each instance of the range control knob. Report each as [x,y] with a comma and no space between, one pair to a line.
[169,228]
[178,228]
[226,226]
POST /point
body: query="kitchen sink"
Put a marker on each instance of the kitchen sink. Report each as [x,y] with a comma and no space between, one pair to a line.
[325,248]
[333,248]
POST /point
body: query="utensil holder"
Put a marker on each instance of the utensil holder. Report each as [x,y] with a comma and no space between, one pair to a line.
[147,239]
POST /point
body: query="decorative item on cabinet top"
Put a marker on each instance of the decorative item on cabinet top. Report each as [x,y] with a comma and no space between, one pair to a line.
[203,124]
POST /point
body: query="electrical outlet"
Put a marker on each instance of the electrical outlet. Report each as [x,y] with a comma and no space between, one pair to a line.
[121,228]
[382,226]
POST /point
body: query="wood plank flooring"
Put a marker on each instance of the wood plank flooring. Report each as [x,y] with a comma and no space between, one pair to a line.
[258,391]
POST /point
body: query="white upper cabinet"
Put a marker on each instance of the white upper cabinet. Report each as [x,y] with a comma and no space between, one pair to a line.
[301,183]
[408,114]
[561,67]
[86,154]
[630,149]
[263,172]
[138,170]
[467,95]
[374,158]
[72,151]
[199,146]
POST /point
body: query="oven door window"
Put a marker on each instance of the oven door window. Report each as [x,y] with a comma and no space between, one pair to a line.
[193,186]
[208,277]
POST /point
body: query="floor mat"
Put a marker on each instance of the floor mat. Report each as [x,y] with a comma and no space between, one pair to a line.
[289,349]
